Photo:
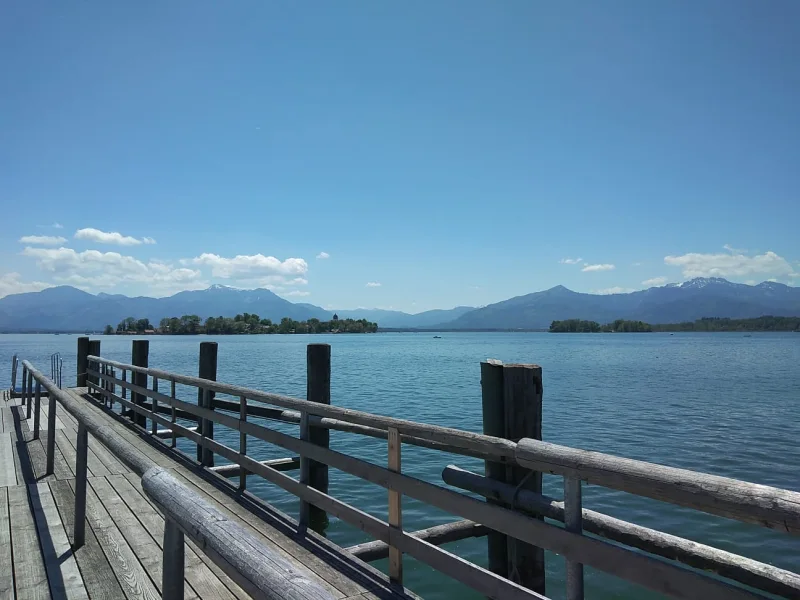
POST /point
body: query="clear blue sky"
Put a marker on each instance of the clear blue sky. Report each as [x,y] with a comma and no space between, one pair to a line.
[454,152]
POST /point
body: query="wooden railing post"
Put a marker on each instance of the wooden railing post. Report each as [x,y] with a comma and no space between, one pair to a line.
[51,429]
[207,369]
[242,442]
[395,510]
[94,350]
[83,363]
[29,393]
[313,473]
[172,586]
[154,409]
[81,448]
[14,363]
[522,397]
[37,412]
[24,382]
[494,423]
[139,358]
[573,521]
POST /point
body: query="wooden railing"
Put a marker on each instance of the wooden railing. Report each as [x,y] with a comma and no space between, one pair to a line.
[255,567]
[514,510]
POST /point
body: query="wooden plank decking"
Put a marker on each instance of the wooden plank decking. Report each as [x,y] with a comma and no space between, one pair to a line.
[122,556]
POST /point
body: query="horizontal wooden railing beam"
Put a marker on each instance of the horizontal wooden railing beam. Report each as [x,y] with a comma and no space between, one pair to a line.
[492,448]
[438,535]
[747,502]
[699,556]
[279,464]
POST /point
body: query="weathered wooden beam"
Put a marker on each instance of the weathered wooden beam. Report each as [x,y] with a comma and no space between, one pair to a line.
[140,351]
[94,350]
[279,464]
[438,535]
[207,369]
[166,434]
[83,363]
[494,424]
[314,473]
[747,502]
[699,556]
[258,569]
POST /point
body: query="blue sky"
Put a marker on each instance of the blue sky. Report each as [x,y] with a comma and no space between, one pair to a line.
[453,152]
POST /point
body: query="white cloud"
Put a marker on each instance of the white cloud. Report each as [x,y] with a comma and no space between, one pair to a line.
[570,261]
[373,284]
[110,237]
[733,250]
[296,293]
[655,281]
[613,290]
[42,240]
[92,269]
[323,255]
[243,266]
[731,265]
[57,226]
[587,268]
[10,284]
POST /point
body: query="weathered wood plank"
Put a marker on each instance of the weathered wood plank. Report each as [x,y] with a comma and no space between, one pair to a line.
[203,580]
[61,468]
[8,475]
[30,576]
[6,566]
[256,567]
[748,502]
[98,576]
[132,577]
[62,569]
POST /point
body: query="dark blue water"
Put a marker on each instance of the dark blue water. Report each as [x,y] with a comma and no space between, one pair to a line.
[719,403]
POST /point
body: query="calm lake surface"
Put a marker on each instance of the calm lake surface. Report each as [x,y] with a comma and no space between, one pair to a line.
[720,403]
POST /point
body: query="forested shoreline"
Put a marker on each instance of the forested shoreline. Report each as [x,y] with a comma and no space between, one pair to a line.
[239,325]
[706,324]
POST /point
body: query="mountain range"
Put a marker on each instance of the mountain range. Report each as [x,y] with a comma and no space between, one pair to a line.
[66,308]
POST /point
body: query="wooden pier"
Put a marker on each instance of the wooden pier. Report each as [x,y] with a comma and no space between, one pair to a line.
[98,501]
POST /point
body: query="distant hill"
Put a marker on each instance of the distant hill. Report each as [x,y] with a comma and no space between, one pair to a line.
[674,303]
[69,309]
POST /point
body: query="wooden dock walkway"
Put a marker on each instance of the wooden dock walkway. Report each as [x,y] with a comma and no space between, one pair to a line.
[122,555]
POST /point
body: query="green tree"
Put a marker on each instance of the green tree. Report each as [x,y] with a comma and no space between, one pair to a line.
[109,330]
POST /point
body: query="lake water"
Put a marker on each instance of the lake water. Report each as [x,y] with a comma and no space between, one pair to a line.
[720,403]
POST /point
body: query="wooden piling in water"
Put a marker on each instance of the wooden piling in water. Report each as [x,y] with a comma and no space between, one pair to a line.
[94,350]
[313,473]
[140,352]
[83,363]
[512,409]
[207,369]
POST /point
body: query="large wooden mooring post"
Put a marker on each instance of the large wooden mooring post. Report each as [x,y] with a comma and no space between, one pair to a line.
[94,350]
[313,473]
[207,369]
[140,352]
[83,363]
[512,409]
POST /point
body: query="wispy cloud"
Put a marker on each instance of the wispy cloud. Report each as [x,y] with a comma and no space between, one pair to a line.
[655,281]
[587,268]
[570,261]
[323,255]
[696,264]
[10,283]
[373,284]
[42,240]
[733,250]
[110,237]
[247,266]
[296,293]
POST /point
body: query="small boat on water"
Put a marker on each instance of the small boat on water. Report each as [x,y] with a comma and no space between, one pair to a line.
[437,337]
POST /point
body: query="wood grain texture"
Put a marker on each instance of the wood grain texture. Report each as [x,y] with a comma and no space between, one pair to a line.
[747,502]
[6,566]
[254,566]
[8,475]
[30,576]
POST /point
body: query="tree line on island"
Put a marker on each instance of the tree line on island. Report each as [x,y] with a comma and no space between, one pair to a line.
[240,324]
[706,324]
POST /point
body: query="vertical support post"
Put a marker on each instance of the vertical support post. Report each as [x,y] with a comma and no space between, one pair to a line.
[94,350]
[80,485]
[140,352]
[494,424]
[522,394]
[24,382]
[29,392]
[318,389]
[174,415]
[573,521]
[173,563]
[37,411]
[395,511]
[14,364]
[242,442]
[154,410]
[207,369]
[51,433]
[83,364]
